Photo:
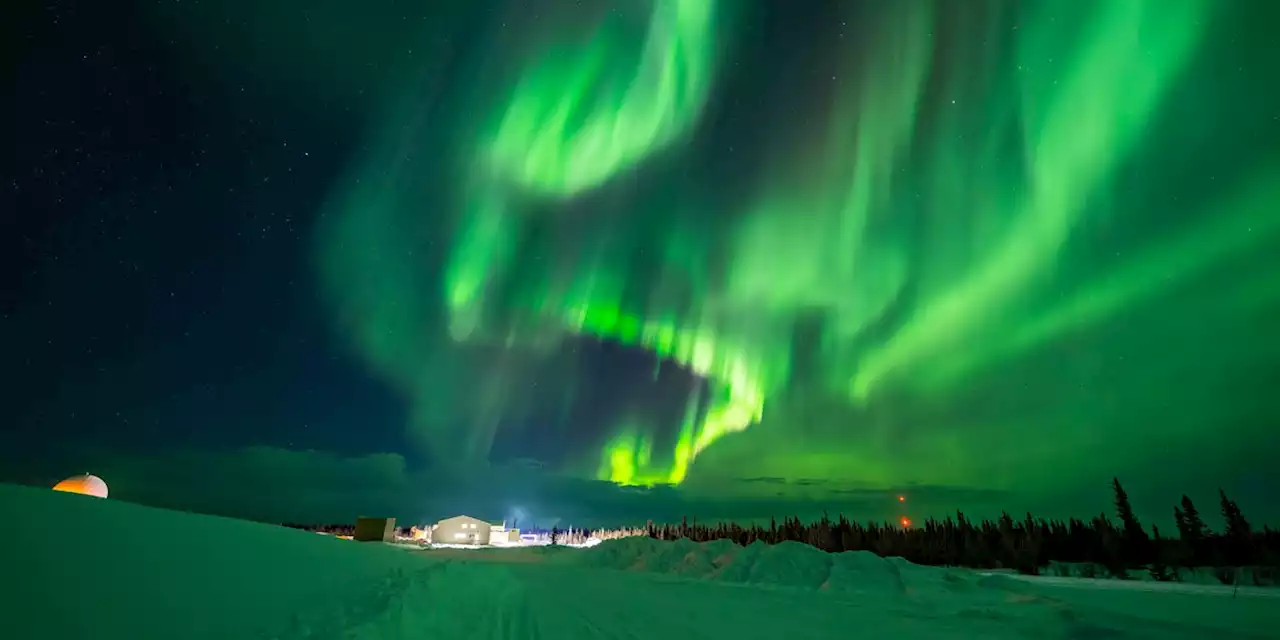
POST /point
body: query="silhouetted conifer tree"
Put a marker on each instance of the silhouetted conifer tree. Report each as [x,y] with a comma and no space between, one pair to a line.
[1196,529]
[1193,533]
[1027,545]
[1237,533]
[1133,539]
[1236,526]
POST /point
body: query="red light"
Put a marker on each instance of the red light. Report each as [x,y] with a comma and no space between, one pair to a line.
[906,522]
[902,498]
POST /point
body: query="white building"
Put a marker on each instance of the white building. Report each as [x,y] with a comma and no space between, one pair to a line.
[461,530]
[500,535]
[473,531]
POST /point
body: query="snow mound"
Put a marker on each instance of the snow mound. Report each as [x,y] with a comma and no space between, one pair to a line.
[788,564]
[145,570]
[105,569]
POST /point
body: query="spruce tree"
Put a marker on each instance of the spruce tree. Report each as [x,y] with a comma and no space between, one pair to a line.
[1237,533]
[1134,539]
[1193,531]
[1236,526]
[1196,527]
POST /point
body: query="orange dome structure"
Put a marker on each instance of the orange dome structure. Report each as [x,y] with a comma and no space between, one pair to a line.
[86,484]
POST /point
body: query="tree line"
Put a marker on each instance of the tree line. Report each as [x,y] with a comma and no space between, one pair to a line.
[1102,546]
[341,529]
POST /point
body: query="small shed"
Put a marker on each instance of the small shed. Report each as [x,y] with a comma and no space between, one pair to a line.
[375,529]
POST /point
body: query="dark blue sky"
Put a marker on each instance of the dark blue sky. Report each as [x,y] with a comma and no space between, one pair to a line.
[160,274]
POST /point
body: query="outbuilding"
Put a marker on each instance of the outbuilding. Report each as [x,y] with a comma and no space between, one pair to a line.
[375,529]
[502,536]
[85,484]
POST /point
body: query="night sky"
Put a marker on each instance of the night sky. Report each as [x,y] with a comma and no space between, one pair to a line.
[599,263]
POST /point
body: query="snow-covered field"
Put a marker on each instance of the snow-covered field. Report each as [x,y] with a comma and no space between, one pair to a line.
[78,567]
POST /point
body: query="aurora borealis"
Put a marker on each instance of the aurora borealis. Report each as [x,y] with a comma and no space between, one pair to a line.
[959,194]
[731,249]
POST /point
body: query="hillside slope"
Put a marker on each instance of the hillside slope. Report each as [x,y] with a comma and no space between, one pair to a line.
[106,570]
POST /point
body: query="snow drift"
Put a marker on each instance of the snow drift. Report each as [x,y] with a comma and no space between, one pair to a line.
[789,564]
[80,567]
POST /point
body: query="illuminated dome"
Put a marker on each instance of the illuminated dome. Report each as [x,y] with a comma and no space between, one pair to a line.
[86,484]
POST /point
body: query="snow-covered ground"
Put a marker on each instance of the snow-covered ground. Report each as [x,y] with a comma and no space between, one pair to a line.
[78,567]
[1202,588]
